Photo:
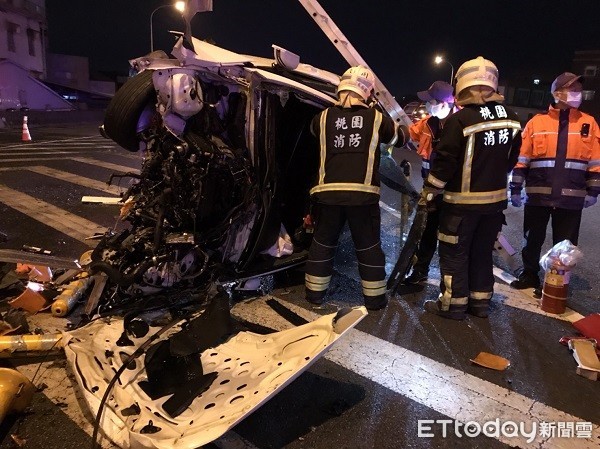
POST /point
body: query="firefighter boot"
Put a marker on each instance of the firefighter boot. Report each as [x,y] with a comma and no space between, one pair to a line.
[316,298]
[454,312]
[377,302]
[526,279]
[478,307]
[316,288]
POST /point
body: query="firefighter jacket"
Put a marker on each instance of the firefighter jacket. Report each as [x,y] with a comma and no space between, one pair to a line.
[349,140]
[560,159]
[478,148]
[426,133]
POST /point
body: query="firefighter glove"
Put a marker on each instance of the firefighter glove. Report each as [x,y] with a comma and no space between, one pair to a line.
[428,195]
[589,200]
[516,200]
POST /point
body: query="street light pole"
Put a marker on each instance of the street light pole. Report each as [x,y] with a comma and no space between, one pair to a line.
[439,59]
[180,6]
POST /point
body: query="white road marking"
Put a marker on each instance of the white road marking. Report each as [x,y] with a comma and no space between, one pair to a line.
[520,299]
[29,159]
[109,165]
[447,390]
[71,139]
[523,299]
[34,148]
[50,215]
[390,209]
[37,153]
[75,179]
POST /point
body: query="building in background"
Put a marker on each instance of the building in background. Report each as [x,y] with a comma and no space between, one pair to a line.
[23,58]
[23,34]
[70,76]
[31,78]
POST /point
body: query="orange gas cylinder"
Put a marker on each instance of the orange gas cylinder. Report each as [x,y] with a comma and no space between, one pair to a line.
[556,289]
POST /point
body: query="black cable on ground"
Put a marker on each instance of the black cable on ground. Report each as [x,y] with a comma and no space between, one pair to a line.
[44,357]
[138,352]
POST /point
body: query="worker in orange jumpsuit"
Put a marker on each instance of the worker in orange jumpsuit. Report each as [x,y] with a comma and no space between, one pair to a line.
[426,132]
[560,167]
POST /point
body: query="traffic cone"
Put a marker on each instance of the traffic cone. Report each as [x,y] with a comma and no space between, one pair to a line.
[25,137]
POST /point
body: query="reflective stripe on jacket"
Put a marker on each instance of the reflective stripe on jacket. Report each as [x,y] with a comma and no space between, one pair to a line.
[560,159]
[349,140]
[478,148]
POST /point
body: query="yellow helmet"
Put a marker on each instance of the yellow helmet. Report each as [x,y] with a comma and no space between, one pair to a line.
[477,72]
[360,80]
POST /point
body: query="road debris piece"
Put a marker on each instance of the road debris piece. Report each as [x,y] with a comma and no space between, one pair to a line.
[38,273]
[492,361]
[30,345]
[565,341]
[73,292]
[230,381]
[585,355]
[589,326]
[14,322]
[16,392]
[101,200]
[66,276]
[20,442]
[93,299]
[17,256]
[31,300]
[36,250]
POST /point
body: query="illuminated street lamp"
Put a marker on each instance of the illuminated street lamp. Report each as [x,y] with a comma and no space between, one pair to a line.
[179,6]
[438,59]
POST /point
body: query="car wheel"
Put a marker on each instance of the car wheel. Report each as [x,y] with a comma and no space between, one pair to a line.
[125,108]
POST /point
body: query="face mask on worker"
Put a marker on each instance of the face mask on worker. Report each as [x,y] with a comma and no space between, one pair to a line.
[440,110]
[573,99]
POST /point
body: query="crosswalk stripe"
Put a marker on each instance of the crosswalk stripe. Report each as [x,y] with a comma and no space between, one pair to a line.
[30,159]
[70,139]
[447,390]
[75,179]
[38,153]
[521,300]
[109,165]
[50,215]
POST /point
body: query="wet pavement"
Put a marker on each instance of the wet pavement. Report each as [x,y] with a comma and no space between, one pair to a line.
[398,367]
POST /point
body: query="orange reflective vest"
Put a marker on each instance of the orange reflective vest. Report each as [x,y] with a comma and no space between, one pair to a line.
[559,161]
[422,133]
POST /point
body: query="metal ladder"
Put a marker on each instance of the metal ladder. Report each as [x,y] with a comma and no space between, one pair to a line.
[351,55]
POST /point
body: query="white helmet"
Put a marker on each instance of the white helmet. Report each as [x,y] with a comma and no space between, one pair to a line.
[360,80]
[477,72]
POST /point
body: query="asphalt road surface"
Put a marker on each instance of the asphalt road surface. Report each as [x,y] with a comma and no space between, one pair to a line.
[401,379]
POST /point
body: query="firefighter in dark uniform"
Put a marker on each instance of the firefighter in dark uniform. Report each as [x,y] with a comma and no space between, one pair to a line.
[439,100]
[347,188]
[478,148]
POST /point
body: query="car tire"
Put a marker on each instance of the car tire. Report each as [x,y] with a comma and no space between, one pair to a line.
[125,108]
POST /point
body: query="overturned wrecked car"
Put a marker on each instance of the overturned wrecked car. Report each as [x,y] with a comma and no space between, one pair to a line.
[229,160]
[228,164]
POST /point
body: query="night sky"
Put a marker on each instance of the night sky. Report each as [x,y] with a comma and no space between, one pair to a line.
[397,38]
